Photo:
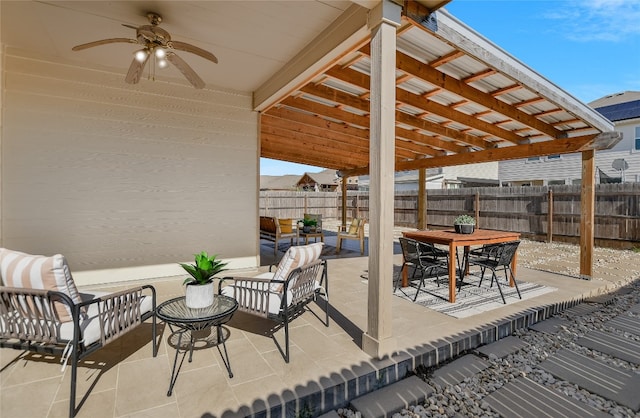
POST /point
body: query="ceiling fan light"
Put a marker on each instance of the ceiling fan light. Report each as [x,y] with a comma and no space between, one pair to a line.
[162,63]
[160,53]
[141,55]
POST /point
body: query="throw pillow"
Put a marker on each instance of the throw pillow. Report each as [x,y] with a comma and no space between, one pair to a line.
[286,225]
[39,272]
[294,258]
[353,228]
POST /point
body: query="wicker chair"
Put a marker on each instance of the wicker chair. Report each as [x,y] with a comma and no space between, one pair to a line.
[283,295]
[48,315]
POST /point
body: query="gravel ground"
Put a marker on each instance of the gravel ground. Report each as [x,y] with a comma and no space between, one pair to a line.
[618,267]
[466,398]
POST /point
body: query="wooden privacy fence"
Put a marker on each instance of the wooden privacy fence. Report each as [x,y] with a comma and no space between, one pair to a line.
[547,212]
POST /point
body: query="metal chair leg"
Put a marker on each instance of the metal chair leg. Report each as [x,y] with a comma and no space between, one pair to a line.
[494,277]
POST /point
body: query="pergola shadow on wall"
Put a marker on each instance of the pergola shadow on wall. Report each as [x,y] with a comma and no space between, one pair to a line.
[406,86]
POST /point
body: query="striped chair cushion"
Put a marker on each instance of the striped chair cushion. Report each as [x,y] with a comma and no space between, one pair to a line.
[39,272]
[294,258]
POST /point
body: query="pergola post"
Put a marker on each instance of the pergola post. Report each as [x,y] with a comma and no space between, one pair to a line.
[383,21]
[343,213]
[422,198]
[587,214]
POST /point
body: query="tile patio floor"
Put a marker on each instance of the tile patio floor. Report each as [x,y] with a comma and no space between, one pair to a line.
[124,380]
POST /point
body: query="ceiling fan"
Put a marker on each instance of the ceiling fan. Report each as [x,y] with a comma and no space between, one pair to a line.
[156,43]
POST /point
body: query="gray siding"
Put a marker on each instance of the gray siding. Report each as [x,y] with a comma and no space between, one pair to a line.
[569,167]
[116,176]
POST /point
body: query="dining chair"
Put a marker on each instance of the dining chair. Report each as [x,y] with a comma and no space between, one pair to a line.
[425,258]
[496,257]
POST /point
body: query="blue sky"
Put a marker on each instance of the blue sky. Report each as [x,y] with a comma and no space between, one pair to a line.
[590,48]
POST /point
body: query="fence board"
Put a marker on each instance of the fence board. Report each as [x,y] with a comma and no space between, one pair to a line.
[521,209]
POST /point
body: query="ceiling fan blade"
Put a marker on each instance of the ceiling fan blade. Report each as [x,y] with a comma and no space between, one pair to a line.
[136,69]
[103,42]
[183,46]
[186,70]
[130,26]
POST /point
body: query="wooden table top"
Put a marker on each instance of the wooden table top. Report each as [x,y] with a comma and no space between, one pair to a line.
[449,236]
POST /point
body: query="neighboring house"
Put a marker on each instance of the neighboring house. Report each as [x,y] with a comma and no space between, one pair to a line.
[324,181]
[286,182]
[454,177]
[619,164]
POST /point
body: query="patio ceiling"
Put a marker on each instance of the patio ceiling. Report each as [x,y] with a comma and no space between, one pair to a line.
[459,99]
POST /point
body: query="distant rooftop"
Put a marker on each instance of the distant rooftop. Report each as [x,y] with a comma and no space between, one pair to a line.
[619,106]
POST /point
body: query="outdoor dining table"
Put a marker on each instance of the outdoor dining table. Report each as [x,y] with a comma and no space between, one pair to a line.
[454,240]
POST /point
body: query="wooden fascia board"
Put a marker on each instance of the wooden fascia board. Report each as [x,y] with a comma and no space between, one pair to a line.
[344,35]
[553,147]
[604,140]
[462,37]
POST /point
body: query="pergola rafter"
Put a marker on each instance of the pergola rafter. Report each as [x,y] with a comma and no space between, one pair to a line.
[451,108]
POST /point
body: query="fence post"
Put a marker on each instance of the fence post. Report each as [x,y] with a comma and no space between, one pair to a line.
[550,216]
[477,209]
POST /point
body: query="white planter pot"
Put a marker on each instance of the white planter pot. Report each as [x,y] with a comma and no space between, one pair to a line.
[199,295]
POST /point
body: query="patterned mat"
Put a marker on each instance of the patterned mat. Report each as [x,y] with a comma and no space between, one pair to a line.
[471,299]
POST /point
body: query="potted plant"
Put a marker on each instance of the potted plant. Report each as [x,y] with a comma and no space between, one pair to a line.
[309,224]
[464,224]
[199,291]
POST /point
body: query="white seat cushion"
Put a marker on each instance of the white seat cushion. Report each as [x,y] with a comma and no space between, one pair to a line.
[274,298]
[90,326]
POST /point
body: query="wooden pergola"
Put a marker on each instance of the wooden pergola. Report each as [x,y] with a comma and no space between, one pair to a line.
[405,86]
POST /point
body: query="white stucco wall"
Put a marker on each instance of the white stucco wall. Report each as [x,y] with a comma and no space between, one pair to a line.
[125,180]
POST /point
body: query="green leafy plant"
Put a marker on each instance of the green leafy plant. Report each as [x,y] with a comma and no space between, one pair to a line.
[310,222]
[204,268]
[464,220]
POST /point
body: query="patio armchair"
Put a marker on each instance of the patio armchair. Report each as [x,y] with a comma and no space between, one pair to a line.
[355,231]
[496,257]
[425,258]
[271,230]
[283,295]
[42,311]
